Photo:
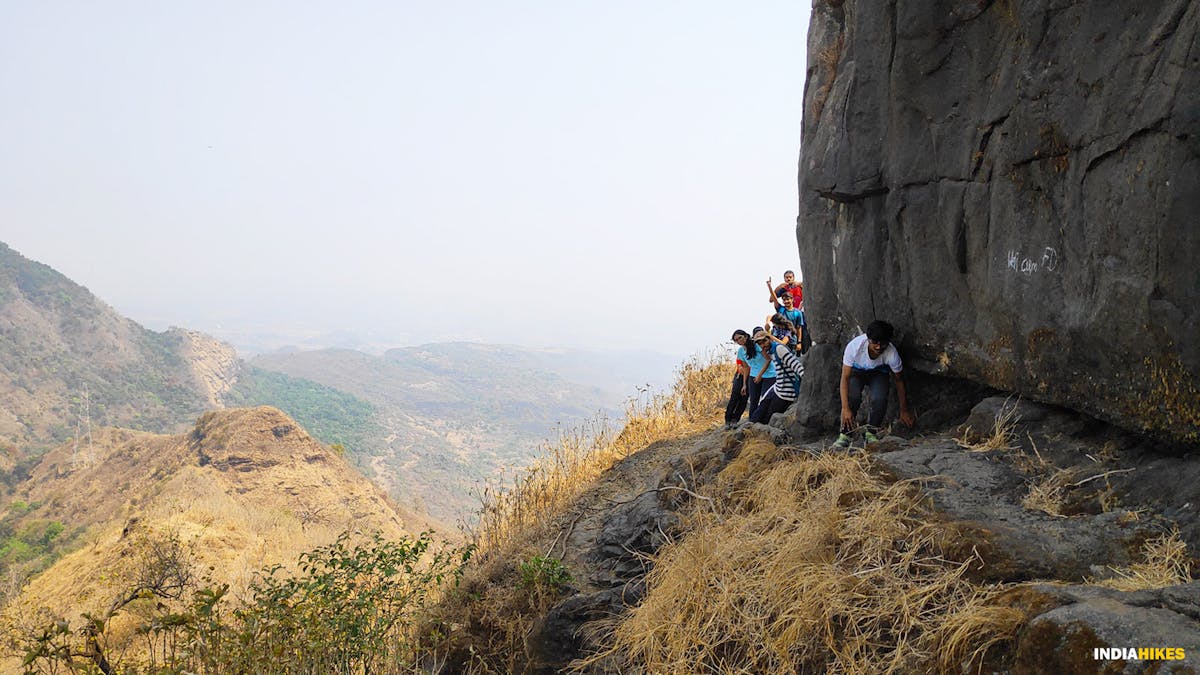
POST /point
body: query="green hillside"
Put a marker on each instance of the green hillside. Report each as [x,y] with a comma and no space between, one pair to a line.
[68,360]
[334,417]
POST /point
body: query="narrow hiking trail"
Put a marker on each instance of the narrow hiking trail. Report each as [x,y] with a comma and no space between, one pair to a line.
[589,523]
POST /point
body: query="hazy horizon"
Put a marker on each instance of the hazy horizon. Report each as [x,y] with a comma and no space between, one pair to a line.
[596,175]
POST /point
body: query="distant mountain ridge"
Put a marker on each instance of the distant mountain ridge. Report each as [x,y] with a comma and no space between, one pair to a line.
[68,360]
[430,423]
[455,415]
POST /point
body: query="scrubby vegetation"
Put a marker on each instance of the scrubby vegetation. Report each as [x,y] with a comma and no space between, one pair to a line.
[82,363]
[28,545]
[789,560]
[348,607]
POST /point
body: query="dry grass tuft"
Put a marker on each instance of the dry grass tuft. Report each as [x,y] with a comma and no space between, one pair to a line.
[967,635]
[1049,494]
[1166,563]
[810,564]
[1001,436]
[514,515]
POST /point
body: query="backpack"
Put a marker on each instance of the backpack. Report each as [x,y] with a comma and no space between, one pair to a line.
[805,339]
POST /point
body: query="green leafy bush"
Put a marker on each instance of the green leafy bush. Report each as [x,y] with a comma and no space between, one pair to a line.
[544,573]
[349,608]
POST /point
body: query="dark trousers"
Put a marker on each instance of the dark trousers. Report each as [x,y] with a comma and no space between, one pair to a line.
[756,389]
[737,400]
[877,382]
[769,405]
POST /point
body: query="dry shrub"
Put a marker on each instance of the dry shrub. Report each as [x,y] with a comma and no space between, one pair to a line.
[811,564]
[1165,563]
[509,516]
[1000,437]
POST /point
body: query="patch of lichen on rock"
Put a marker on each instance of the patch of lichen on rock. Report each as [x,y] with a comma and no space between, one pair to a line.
[1172,404]
[1063,649]
[993,365]
[1042,347]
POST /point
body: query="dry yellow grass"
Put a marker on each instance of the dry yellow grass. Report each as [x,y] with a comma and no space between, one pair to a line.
[1049,494]
[511,516]
[999,437]
[1165,563]
[808,564]
[491,615]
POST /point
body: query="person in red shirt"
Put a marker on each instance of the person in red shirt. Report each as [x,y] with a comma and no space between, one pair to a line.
[791,286]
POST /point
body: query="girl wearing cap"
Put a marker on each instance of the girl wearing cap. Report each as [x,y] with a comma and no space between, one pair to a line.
[789,371]
[762,369]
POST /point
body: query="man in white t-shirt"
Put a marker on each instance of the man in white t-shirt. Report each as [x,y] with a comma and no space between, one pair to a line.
[866,363]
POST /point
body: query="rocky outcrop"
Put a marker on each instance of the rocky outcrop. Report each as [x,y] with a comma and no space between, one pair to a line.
[214,364]
[1108,494]
[1084,619]
[1013,184]
[981,498]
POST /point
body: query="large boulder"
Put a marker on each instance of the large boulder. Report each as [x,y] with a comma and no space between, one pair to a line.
[1084,619]
[1013,184]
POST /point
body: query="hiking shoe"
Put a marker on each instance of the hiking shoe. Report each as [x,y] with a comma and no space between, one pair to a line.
[870,436]
[843,441]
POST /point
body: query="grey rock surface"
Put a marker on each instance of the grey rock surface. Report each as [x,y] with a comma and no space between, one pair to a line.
[1063,639]
[981,497]
[1014,185]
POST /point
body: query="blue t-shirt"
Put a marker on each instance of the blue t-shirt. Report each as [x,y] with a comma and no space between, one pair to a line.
[756,362]
[796,316]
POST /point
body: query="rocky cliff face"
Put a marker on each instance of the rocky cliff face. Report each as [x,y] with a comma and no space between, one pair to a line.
[214,364]
[1014,185]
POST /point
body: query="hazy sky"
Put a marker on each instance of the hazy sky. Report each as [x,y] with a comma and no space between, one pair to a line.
[599,173]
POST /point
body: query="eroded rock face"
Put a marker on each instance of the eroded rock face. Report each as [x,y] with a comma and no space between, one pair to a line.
[1014,185]
[213,363]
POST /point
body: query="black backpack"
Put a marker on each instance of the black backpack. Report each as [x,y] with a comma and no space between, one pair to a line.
[805,338]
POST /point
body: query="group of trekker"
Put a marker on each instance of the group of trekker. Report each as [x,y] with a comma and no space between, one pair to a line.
[770,367]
